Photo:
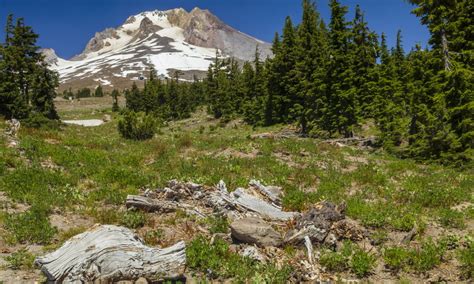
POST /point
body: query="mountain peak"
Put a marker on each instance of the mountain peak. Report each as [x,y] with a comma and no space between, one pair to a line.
[166,40]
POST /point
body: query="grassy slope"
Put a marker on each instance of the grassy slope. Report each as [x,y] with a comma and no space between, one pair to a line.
[89,171]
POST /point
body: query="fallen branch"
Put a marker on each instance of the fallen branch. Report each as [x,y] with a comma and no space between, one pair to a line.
[111,253]
[163,206]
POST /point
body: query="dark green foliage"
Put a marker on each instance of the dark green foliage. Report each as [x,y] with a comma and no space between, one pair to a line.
[98,92]
[362,263]
[27,86]
[137,125]
[331,79]
[166,100]
[115,106]
[83,93]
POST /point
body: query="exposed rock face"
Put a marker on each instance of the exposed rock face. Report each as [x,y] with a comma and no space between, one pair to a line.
[97,42]
[255,231]
[50,56]
[166,40]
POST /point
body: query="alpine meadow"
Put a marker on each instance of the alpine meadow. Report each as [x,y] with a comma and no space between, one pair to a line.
[177,149]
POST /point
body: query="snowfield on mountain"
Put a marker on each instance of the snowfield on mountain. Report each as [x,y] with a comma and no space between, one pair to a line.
[169,41]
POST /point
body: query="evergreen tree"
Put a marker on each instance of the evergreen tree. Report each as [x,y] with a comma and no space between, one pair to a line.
[43,92]
[98,92]
[134,99]
[255,91]
[310,69]
[115,106]
[26,84]
[364,53]
[341,110]
[450,134]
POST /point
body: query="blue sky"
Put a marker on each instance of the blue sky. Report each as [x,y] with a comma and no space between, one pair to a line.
[67,25]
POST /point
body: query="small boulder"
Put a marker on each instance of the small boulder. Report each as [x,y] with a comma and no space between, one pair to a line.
[253,253]
[255,231]
[107,118]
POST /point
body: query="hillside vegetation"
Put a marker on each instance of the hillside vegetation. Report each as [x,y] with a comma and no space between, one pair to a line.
[64,180]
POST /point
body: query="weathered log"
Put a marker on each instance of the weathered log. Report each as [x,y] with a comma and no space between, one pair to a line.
[110,253]
[163,206]
[273,193]
[253,204]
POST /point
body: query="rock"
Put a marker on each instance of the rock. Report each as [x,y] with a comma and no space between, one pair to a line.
[255,231]
[107,118]
[141,280]
[253,253]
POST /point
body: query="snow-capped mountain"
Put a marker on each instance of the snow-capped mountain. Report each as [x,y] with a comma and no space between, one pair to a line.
[167,40]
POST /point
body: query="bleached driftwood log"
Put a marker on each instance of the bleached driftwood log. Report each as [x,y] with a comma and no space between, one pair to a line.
[110,253]
[151,205]
[163,206]
[273,193]
[244,202]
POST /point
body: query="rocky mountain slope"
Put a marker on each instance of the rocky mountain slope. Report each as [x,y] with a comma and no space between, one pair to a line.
[167,40]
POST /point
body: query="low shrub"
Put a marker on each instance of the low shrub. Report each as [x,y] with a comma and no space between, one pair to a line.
[137,126]
[32,226]
[37,120]
[360,262]
[134,219]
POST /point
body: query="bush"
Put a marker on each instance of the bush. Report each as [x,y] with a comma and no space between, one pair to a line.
[218,225]
[37,120]
[362,263]
[350,256]
[21,259]
[137,126]
[337,261]
[396,258]
[134,220]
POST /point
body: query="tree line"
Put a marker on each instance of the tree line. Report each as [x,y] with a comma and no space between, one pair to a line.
[83,93]
[169,99]
[330,79]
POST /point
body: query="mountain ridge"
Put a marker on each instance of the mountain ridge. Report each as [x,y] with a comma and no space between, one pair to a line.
[169,41]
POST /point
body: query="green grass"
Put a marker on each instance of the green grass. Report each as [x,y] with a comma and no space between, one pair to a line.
[32,226]
[218,262]
[421,259]
[466,258]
